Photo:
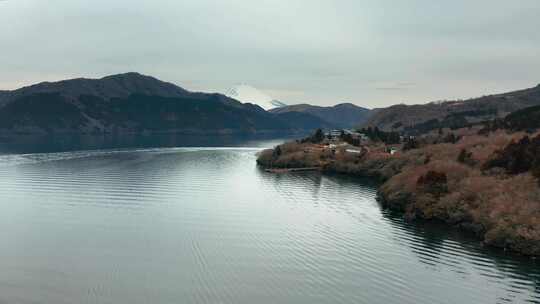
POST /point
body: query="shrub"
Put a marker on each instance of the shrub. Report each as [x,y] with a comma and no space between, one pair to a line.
[517,157]
[410,144]
[316,138]
[466,157]
[451,138]
[433,182]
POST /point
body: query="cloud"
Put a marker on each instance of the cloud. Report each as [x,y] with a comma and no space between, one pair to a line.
[392,89]
[332,51]
[394,86]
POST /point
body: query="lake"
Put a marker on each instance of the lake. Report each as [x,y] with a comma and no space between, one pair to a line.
[205,225]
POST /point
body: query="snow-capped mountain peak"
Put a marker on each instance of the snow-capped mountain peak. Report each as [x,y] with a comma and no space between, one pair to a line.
[245,93]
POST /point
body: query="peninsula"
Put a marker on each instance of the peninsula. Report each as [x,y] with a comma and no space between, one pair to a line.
[484,179]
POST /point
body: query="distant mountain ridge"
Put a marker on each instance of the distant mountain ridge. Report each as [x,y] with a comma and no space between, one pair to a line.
[248,94]
[422,117]
[344,115]
[135,103]
[3,96]
[116,86]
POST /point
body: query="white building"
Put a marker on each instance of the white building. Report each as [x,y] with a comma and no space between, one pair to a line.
[335,133]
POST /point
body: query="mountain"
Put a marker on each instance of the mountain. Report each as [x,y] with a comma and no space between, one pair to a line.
[4,96]
[345,115]
[421,118]
[304,121]
[135,103]
[116,86]
[249,94]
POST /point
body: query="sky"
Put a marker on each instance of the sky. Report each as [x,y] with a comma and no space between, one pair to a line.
[373,53]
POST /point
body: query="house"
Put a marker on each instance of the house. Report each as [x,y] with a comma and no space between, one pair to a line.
[392,150]
[363,137]
[356,135]
[335,133]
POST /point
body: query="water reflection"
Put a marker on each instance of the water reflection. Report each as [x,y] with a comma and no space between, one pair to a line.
[62,142]
[436,248]
[441,248]
[205,225]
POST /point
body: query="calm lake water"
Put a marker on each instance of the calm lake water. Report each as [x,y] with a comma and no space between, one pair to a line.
[205,225]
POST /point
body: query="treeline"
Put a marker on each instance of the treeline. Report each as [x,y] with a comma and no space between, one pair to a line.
[315,138]
[518,157]
[375,134]
[527,119]
[348,138]
[452,121]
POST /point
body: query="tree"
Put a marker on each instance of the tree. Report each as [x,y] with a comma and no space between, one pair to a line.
[315,138]
[375,134]
[410,144]
[433,182]
[465,157]
[517,157]
[318,136]
[450,138]
[277,152]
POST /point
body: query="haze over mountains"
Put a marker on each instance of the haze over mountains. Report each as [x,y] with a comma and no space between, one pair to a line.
[135,103]
[344,115]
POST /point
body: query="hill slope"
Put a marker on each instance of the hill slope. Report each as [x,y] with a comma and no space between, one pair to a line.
[419,118]
[134,103]
[115,86]
[345,115]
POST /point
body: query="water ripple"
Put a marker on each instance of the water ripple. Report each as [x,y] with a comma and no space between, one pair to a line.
[204,225]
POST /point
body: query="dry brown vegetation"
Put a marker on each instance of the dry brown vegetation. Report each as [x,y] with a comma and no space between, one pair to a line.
[448,182]
[294,155]
[502,208]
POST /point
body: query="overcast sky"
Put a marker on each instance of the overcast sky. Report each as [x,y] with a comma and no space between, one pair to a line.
[370,52]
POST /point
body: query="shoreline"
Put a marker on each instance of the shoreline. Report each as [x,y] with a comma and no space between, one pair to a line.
[425,187]
[285,170]
[4,133]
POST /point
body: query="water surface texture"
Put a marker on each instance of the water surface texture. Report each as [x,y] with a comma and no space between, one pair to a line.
[205,225]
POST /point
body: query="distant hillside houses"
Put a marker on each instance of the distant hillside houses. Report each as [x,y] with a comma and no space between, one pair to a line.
[337,134]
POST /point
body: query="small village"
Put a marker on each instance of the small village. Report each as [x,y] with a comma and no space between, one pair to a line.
[359,142]
[356,142]
[325,148]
